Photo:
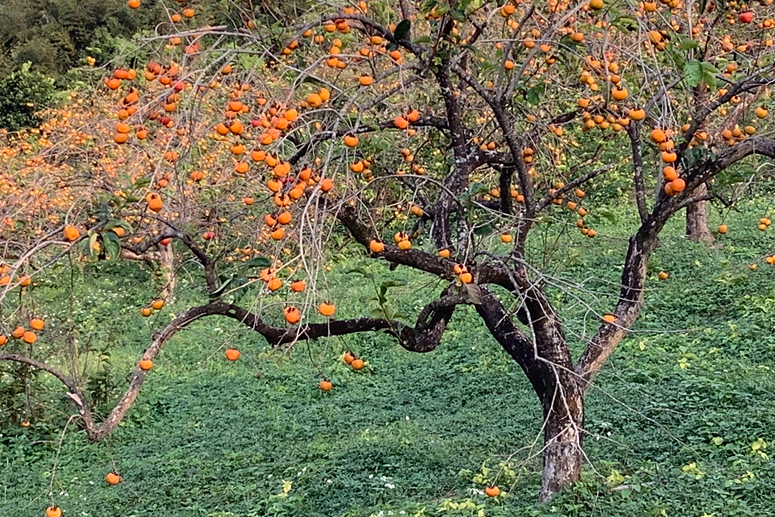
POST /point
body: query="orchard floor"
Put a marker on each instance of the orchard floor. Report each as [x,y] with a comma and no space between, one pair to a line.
[681,422]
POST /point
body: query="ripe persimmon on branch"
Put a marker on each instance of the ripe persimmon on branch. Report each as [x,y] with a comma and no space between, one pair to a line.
[458,128]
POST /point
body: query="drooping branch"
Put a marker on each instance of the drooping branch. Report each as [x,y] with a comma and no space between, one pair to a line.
[318,138]
[562,118]
[367,26]
[755,145]
[127,399]
[708,196]
[207,262]
[423,337]
[72,388]
[488,273]
[704,171]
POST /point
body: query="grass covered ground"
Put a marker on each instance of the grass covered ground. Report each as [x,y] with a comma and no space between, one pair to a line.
[682,420]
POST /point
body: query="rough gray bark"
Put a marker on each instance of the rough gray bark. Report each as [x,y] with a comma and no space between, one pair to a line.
[167,263]
[697,229]
[563,437]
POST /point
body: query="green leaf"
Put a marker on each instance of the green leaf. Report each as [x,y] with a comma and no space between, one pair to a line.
[238,282]
[402,30]
[387,284]
[533,95]
[118,223]
[142,182]
[258,262]
[709,74]
[112,245]
[625,23]
[566,41]
[361,271]
[84,248]
[676,56]
[394,283]
[607,214]
[688,44]
[695,155]
[218,292]
[685,42]
[381,144]
[428,6]
[312,80]
[693,73]
[93,238]
[474,293]
[477,188]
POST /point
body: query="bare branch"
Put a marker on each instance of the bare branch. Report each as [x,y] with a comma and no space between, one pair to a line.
[633,131]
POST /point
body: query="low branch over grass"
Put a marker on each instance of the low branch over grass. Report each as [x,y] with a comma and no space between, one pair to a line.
[423,337]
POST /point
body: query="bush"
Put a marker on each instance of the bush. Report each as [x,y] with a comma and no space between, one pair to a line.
[22,95]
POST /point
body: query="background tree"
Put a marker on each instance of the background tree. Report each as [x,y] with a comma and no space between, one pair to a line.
[55,35]
[23,95]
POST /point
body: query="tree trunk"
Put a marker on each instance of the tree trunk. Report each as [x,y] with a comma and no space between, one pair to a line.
[167,263]
[564,418]
[697,218]
[548,365]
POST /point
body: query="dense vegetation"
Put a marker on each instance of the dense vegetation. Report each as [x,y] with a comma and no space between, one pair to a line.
[681,415]
[57,35]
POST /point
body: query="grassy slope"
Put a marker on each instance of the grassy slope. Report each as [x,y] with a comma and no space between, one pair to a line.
[411,434]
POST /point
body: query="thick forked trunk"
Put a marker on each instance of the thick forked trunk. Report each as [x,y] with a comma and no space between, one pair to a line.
[697,218]
[547,364]
[562,457]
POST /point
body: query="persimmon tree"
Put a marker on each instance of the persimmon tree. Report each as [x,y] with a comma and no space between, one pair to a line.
[437,135]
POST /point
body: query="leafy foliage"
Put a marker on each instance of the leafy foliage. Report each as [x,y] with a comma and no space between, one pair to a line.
[22,95]
[54,35]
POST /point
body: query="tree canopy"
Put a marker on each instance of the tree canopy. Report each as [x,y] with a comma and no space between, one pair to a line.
[468,141]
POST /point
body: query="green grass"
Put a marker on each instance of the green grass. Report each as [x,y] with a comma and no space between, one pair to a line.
[677,414]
